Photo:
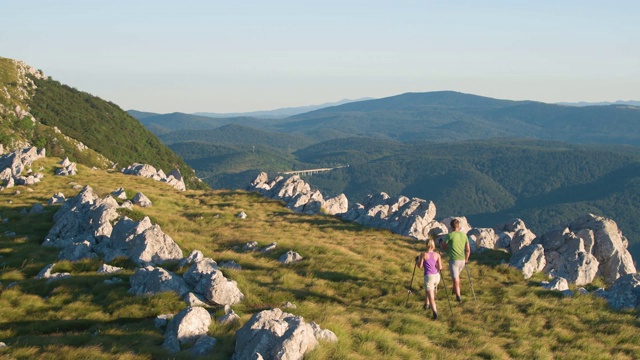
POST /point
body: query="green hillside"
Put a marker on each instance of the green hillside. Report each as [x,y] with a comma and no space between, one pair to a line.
[233,166]
[352,281]
[71,123]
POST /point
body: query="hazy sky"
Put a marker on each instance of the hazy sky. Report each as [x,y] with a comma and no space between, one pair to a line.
[236,55]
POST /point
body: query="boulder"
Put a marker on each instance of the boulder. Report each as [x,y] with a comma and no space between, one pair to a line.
[119,193]
[274,334]
[269,247]
[151,280]
[290,257]
[336,205]
[228,317]
[571,261]
[216,288]
[250,246]
[241,215]
[36,209]
[530,259]
[46,273]
[174,178]
[483,238]
[193,299]
[186,327]
[323,334]
[557,284]
[108,269]
[141,200]
[624,293]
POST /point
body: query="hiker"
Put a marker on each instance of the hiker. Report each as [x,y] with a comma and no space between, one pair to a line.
[457,244]
[432,264]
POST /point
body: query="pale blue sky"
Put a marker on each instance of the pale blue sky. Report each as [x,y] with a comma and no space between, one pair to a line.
[234,56]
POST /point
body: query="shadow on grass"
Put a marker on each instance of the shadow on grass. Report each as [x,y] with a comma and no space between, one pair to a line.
[336,276]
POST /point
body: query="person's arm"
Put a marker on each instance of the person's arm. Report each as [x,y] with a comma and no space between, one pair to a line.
[467,250]
[439,263]
[419,260]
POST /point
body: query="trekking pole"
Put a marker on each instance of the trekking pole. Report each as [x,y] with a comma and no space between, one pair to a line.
[415,264]
[446,292]
[471,283]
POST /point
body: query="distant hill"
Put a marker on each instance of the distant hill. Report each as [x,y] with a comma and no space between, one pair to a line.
[165,123]
[448,116]
[602,103]
[141,114]
[279,113]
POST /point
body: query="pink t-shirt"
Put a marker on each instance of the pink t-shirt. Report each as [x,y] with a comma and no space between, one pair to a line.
[429,264]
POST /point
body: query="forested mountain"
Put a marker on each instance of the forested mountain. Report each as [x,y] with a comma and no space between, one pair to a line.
[71,123]
[447,116]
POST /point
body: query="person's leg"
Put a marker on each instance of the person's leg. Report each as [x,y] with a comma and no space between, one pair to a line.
[456,287]
[432,301]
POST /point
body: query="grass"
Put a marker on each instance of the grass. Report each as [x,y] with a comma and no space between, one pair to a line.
[353,281]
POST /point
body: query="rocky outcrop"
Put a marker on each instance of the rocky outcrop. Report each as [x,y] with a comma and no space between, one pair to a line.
[297,195]
[46,273]
[274,334]
[68,168]
[586,247]
[14,167]
[174,178]
[187,327]
[409,217]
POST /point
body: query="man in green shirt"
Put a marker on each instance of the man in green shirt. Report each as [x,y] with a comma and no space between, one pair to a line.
[457,244]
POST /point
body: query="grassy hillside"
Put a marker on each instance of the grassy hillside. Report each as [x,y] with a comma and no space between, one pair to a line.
[103,127]
[352,281]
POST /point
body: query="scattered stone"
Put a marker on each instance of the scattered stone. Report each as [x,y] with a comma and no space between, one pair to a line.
[583,291]
[2,345]
[217,289]
[230,265]
[323,335]
[119,193]
[141,200]
[108,269]
[269,247]
[558,284]
[241,215]
[290,257]
[68,168]
[127,204]
[46,273]
[17,192]
[250,246]
[289,305]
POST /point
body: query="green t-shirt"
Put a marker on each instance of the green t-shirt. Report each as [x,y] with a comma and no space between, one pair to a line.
[456,243]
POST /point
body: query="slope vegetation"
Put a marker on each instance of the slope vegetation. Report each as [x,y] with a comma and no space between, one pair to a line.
[352,281]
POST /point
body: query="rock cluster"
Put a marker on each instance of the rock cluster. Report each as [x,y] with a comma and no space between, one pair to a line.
[298,196]
[578,251]
[174,178]
[68,168]
[624,293]
[274,334]
[15,167]
[409,217]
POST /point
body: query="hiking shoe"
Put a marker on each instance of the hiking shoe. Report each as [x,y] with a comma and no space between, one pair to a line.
[425,307]
[458,298]
[435,315]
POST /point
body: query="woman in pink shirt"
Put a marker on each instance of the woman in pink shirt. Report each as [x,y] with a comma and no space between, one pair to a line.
[432,264]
